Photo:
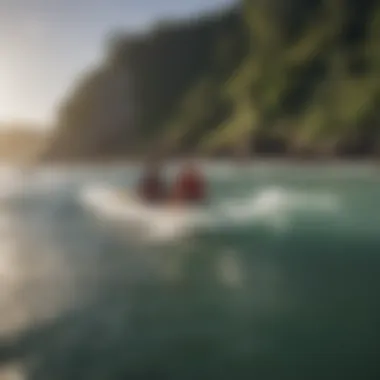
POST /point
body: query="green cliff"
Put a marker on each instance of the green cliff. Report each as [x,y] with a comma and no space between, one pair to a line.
[267,77]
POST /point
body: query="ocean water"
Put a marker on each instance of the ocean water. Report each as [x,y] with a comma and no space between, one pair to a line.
[280,280]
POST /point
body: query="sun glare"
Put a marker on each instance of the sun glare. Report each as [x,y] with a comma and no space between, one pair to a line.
[12,107]
[6,95]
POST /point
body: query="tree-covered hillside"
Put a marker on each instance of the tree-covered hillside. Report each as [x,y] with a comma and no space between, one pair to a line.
[267,77]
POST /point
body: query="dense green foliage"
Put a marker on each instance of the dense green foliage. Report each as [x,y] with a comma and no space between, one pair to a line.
[301,76]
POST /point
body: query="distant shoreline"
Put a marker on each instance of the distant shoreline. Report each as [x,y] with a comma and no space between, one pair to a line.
[259,160]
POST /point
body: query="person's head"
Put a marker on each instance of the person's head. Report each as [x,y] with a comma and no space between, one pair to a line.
[190,166]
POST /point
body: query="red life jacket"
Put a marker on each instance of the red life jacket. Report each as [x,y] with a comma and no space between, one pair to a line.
[190,187]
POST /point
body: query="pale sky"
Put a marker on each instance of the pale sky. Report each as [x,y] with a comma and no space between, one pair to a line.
[46,44]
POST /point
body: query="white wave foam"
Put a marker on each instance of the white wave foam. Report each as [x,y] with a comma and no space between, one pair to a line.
[275,206]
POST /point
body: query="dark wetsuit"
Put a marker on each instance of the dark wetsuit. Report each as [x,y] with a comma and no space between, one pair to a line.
[152,188]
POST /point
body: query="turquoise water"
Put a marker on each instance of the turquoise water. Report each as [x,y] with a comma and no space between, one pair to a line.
[281,281]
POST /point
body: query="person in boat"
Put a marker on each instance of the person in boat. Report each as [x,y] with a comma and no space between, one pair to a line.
[152,187]
[189,186]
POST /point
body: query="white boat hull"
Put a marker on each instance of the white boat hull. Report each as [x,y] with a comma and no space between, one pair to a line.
[158,222]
